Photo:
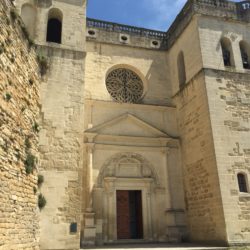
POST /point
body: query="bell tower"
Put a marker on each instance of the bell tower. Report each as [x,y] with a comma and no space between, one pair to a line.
[65,18]
[57,28]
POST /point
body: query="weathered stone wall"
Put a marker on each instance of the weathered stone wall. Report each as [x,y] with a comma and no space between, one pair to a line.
[148,64]
[228,97]
[165,220]
[189,44]
[73,21]
[229,103]
[213,112]
[61,142]
[201,183]
[213,150]
[19,109]
[61,135]
[211,31]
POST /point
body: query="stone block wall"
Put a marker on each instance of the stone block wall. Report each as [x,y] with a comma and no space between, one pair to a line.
[189,44]
[61,147]
[229,103]
[19,110]
[61,134]
[211,31]
[201,182]
[228,98]
[73,21]
[148,64]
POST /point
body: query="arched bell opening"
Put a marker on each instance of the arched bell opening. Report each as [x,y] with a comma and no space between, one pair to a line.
[54,26]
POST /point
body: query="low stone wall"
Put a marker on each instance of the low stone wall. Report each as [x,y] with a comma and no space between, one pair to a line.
[19,109]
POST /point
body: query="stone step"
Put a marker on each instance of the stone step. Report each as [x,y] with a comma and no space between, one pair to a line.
[131,246]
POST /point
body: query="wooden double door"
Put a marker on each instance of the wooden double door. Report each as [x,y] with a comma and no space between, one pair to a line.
[129,214]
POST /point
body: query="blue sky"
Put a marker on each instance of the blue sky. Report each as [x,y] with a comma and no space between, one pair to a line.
[152,14]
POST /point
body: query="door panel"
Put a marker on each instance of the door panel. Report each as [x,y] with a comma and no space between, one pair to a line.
[133,215]
[122,201]
[139,215]
[129,215]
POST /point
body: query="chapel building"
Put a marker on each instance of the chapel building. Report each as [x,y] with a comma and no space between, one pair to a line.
[145,134]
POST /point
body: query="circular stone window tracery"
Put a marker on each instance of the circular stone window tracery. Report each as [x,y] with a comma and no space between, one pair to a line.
[124,85]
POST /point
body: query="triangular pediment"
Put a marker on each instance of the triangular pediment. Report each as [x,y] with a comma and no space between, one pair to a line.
[127,125]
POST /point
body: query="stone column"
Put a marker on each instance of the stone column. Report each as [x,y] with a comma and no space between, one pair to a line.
[149,235]
[170,218]
[89,226]
[173,234]
[111,213]
[166,153]
[90,151]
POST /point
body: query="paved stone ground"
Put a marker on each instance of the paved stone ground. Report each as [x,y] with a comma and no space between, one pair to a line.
[161,247]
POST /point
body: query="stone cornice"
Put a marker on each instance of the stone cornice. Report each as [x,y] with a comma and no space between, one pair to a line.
[128,105]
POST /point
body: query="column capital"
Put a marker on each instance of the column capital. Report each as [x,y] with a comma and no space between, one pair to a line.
[90,146]
[166,151]
[90,136]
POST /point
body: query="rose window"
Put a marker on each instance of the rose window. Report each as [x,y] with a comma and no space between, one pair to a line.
[124,85]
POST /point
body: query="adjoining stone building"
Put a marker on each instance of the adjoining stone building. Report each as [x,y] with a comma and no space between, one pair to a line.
[145,134]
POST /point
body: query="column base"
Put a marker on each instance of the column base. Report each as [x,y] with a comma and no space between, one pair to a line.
[89,232]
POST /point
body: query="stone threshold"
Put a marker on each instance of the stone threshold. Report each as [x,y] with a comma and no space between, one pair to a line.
[160,246]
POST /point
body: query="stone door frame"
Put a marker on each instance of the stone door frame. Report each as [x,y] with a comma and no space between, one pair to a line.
[109,201]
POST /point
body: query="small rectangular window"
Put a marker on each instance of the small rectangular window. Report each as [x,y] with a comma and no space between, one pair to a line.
[73,227]
[242,183]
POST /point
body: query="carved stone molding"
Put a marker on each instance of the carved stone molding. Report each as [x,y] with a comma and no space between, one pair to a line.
[127,165]
[44,3]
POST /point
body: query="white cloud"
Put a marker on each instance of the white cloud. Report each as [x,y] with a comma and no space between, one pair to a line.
[163,11]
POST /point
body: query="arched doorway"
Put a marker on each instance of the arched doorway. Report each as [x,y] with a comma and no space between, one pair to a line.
[125,186]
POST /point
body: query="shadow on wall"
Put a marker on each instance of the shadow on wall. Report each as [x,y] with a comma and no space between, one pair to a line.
[28,15]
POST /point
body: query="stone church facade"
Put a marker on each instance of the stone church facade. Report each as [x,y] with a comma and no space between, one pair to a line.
[145,135]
